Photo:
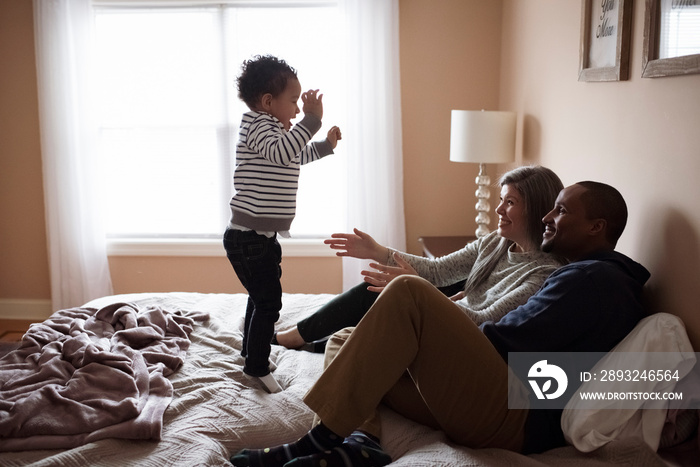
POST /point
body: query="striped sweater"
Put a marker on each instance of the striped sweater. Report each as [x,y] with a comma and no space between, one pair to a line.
[266,177]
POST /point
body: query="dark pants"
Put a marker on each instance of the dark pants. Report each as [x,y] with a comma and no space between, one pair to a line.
[345,310]
[256,260]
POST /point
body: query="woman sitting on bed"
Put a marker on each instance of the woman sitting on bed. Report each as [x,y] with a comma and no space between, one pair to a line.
[501,270]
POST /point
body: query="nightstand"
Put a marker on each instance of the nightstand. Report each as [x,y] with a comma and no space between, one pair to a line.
[434,247]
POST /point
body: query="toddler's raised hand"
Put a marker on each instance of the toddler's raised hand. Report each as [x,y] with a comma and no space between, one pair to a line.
[312,103]
[334,136]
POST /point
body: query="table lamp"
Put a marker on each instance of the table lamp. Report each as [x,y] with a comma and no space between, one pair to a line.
[483,137]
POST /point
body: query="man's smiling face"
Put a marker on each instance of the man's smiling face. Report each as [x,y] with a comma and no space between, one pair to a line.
[567,226]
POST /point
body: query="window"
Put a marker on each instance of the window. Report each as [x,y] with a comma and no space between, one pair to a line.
[680,28]
[168,111]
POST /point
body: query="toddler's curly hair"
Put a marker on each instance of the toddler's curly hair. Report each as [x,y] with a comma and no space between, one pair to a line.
[261,75]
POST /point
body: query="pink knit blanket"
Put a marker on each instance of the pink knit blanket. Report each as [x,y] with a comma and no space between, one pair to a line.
[87,374]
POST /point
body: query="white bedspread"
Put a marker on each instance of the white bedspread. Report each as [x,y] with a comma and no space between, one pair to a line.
[216,410]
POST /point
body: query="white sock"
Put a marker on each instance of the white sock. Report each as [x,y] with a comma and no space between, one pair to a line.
[270,383]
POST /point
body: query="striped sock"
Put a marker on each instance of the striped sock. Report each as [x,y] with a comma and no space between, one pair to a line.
[358,450]
[319,439]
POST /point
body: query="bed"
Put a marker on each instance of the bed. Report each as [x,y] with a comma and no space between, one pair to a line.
[204,408]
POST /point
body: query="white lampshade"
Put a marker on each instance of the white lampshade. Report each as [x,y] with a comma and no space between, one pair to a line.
[482,136]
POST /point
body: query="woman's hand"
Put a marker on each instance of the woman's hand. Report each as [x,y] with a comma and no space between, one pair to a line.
[357,245]
[458,296]
[385,274]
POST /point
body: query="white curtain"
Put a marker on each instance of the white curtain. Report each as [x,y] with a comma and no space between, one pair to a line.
[77,252]
[373,136]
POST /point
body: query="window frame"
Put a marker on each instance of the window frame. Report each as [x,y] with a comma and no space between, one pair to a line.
[206,246]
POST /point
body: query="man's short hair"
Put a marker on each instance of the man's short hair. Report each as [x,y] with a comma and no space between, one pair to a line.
[605,202]
[261,75]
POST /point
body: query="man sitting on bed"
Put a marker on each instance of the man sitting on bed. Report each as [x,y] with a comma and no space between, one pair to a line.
[426,361]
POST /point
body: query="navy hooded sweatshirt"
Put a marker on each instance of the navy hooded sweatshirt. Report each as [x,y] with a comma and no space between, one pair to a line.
[585,306]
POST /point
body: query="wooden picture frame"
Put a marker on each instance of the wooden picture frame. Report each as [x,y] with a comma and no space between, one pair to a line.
[605,40]
[652,65]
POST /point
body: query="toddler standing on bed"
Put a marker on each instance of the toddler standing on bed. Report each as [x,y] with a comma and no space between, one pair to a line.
[268,157]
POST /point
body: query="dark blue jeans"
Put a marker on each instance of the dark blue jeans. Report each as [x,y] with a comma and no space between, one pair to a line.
[256,260]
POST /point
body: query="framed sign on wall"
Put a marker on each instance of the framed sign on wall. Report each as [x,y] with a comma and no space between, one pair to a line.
[605,40]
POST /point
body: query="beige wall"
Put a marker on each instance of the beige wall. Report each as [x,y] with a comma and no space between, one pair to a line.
[132,274]
[639,135]
[23,250]
[449,60]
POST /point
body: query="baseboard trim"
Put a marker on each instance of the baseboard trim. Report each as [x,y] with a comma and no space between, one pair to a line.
[25,309]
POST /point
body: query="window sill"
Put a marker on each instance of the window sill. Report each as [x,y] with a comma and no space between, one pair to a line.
[208,247]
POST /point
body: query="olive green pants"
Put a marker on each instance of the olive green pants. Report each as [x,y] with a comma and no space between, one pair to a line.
[419,354]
